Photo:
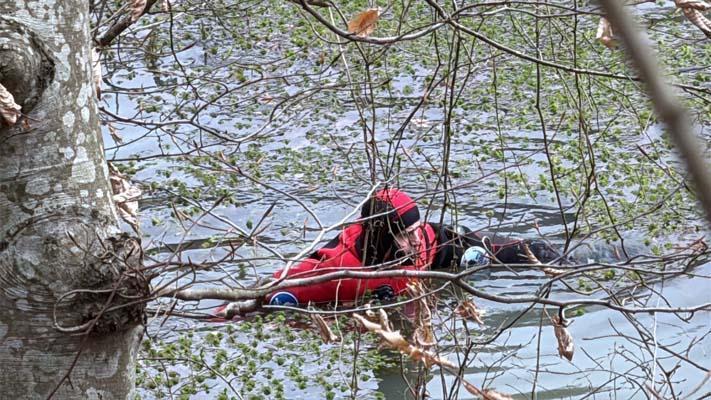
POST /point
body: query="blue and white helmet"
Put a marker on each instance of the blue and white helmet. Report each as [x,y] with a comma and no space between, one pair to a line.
[283,299]
[474,257]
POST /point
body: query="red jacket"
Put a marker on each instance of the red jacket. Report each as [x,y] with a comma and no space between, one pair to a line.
[343,253]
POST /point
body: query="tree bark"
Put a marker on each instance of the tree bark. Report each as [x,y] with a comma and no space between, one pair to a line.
[64,265]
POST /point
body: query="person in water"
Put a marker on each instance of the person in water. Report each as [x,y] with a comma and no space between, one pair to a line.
[390,235]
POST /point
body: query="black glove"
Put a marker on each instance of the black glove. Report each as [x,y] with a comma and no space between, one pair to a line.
[543,251]
[384,293]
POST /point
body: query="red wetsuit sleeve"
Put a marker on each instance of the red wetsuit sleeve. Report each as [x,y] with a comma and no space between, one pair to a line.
[336,290]
[341,254]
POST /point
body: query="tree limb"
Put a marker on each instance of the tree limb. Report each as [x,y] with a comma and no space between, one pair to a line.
[120,26]
[667,106]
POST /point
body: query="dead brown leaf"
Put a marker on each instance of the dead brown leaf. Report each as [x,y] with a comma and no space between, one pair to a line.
[486,394]
[9,110]
[394,340]
[565,340]
[604,33]
[137,8]
[693,10]
[384,320]
[265,99]
[698,19]
[364,23]
[115,135]
[531,257]
[534,260]
[490,394]
[553,271]
[693,4]
[96,70]
[324,330]
[697,246]
[125,197]
[472,389]
[468,309]
[369,312]
[367,324]
[423,335]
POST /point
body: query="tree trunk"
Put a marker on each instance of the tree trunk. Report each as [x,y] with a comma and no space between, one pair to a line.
[64,266]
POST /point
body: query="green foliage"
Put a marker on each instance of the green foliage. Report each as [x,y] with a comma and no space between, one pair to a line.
[260,358]
[271,95]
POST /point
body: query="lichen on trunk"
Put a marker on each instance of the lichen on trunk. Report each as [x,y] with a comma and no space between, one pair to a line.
[70,282]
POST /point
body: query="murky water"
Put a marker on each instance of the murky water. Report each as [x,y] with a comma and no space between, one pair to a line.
[606,363]
[313,151]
